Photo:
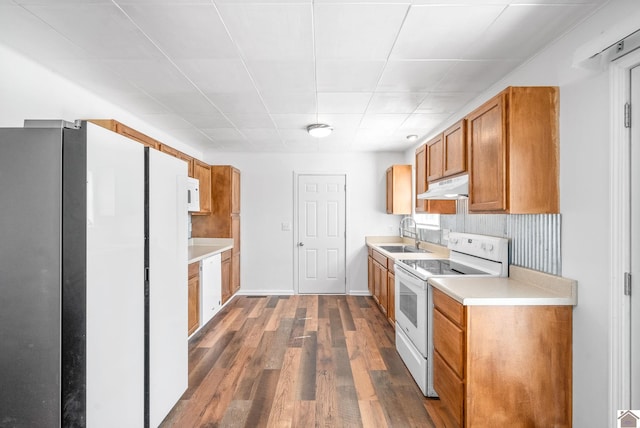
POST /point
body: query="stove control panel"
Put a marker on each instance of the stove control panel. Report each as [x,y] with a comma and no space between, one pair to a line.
[488,247]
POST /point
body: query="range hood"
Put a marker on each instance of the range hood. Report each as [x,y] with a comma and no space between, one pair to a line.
[452,188]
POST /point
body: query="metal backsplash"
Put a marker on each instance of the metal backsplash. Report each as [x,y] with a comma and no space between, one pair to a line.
[535,238]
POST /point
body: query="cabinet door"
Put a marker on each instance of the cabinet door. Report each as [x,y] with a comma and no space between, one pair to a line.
[454,154]
[384,302]
[235,273]
[202,172]
[377,280]
[226,276]
[235,191]
[235,233]
[421,178]
[390,190]
[370,275]
[434,158]
[487,151]
[391,298]
[193,285]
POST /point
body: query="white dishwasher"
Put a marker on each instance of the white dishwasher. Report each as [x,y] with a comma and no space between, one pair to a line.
[210,288]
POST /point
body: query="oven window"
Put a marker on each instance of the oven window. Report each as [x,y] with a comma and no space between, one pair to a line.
[409,304]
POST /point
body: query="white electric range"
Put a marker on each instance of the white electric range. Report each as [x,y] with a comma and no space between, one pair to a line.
[470,256]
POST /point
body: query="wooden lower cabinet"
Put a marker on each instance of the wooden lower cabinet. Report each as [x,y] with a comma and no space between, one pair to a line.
[381,283]
[503,365]
[226,276]
[194,297]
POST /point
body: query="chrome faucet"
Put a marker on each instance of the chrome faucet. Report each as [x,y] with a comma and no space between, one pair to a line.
[403,230]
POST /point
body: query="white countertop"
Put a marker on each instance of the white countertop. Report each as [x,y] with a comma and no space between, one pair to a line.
[523,286]
[201,248]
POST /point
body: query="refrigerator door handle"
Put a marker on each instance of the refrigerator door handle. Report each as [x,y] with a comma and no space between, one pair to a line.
[90,199]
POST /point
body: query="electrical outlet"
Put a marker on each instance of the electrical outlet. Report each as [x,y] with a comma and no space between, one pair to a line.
[445,234]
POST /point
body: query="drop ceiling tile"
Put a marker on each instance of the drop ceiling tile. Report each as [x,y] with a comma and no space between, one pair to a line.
[186,102]
[283,76]
[207,120]
[522,30]
[413,76]
[270,32]
[250,120]
[442,32]
[290,102]
[348,76]
[261,134]
[293,120]
[184,30]
[382,121]
[357,31]
[101,29]
[343,102]
[474,76]
[154,76]
[445,102]
[238,103]
[217,75]
[422,120]
[341,121]
[395,102]
[27,34]
[224,134]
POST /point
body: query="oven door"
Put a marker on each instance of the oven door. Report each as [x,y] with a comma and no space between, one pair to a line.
[411,308]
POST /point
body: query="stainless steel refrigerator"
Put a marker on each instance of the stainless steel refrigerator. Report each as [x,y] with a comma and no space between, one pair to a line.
[93,278]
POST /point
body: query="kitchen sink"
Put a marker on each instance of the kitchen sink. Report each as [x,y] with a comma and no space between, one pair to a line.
[403,249]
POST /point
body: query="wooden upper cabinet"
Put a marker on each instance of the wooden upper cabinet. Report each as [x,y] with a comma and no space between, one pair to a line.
[513,151]
[399,189]
[202,172]
[454,150]
[434,158]
[235,191]
[421,178]
[428,206]
[447,153]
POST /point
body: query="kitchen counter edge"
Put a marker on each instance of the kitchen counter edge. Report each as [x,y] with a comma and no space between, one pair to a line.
[523,287]
[201,248]
[436,251]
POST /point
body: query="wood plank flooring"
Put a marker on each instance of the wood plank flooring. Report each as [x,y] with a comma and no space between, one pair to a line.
[300,361]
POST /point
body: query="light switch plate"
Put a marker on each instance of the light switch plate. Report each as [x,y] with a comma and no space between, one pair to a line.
[286,226]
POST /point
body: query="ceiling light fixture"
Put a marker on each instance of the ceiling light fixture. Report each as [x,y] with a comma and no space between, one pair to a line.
[319,130]
[412,137]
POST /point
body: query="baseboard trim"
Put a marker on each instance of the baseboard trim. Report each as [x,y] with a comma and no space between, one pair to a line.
[265,293]
[359,293]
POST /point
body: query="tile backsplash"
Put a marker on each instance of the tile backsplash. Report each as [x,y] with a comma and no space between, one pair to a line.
[535,238]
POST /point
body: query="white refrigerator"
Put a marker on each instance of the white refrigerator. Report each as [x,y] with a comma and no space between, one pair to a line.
[93,278]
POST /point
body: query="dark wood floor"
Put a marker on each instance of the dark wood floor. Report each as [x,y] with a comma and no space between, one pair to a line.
[300,361]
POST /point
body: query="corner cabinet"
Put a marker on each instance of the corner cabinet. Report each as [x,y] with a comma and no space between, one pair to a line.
[513,152]
[399,189]
[224,219]
[502,365]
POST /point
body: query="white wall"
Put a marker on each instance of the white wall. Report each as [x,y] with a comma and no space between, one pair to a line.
[584,198]
[267,252]
[30,91]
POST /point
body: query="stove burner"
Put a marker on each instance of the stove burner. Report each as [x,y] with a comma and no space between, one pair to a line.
[441,267]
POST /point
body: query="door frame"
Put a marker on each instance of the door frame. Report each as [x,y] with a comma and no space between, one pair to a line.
[620,242]
[296,225]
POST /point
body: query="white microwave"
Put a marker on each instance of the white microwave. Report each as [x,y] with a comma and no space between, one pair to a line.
[193,194]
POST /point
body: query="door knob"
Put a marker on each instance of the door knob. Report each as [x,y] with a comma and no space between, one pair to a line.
[301,244]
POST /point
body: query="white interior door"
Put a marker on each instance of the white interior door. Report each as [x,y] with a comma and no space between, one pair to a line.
[321,234]
[635,237]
